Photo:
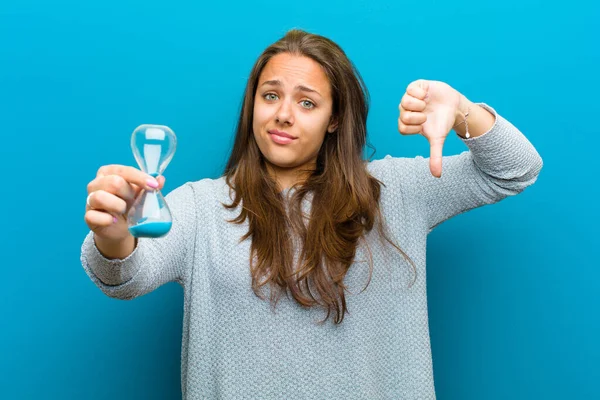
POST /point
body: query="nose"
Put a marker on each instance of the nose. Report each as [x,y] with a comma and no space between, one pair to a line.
[284,113]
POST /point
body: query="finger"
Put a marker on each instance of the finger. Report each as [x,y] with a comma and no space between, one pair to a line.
[98,219]
[101,200]
[131,175]
[161,184]
[435,156]
[114,184]
[409,129]
[413,118]
[161,181]
[418,89]
[411,103]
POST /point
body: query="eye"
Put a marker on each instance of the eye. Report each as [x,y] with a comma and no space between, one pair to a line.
[266,96]
[308,104]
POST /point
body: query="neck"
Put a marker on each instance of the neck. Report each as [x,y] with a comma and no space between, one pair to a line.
[288,177]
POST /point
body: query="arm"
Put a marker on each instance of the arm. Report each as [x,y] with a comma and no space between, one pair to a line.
[153,262]
[480,120]
[501,162]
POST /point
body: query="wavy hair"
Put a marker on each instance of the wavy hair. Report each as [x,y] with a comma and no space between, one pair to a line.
[345,197]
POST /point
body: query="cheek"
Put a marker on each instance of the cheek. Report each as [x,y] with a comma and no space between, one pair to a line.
[316,127]
[259,118]
[255,123]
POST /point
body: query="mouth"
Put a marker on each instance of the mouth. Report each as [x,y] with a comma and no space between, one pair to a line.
[281,137]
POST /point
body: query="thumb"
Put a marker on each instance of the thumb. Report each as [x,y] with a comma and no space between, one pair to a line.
[435,156]
[161,182]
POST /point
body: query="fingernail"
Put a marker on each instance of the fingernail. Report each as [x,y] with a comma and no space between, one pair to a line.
[115,220]
[152,183]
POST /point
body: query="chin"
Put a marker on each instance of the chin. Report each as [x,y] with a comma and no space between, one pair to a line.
[281,162]
[282,158]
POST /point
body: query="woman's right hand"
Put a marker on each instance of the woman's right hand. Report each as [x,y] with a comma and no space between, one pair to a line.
[110,196]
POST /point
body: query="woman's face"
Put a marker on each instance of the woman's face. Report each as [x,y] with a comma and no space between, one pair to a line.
[292,113]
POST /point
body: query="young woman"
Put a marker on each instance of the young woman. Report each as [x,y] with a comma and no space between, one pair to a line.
[303,266]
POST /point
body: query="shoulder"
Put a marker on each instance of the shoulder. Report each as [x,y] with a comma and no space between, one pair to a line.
[208,188]
[200,191]
[206,184]
[394,169]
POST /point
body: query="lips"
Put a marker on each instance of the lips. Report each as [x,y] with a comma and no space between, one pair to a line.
[281,133]
[280,137]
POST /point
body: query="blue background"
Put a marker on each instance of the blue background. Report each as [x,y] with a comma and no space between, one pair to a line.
[513,287]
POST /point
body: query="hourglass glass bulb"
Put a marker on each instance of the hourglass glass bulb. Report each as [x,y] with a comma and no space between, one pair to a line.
[153,147]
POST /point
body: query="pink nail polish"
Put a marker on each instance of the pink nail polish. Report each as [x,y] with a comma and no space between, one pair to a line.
[152,183]
[115,220]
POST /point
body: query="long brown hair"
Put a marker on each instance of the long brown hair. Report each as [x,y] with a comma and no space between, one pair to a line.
[345,197]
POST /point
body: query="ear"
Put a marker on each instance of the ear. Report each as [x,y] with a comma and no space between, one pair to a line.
[333,124]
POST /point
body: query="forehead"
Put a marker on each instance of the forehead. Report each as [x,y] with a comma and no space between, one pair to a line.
[293,70]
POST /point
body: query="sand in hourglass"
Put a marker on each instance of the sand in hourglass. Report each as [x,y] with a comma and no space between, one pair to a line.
[153,229]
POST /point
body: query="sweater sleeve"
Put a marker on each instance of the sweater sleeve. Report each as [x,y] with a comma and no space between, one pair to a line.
[153,262]
[498,164]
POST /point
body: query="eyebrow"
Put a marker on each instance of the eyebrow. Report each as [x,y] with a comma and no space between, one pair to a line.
[302,88]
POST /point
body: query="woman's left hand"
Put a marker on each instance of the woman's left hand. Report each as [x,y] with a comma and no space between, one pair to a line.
[430,108]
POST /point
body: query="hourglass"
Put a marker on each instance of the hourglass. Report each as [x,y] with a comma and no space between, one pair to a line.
[153,147]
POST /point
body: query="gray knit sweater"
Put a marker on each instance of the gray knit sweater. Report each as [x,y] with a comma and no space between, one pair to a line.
[235,347]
